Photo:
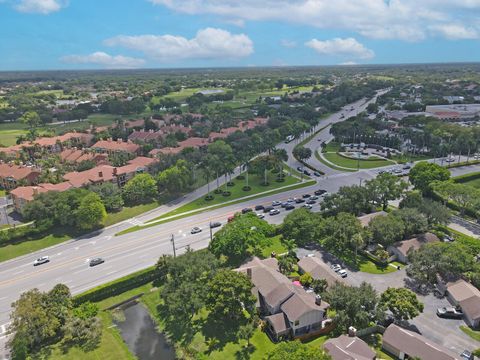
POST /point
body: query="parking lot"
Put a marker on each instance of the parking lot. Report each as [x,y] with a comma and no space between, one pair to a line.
[442,331]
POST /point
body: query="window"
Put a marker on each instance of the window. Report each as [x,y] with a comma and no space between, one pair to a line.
[297,322]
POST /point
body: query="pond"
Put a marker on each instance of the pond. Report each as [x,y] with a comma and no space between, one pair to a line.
[140,334]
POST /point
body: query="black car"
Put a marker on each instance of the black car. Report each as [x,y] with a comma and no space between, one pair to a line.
[215,224]
[316,173]
[246,210]
[289,207]
[305,196]
[306,172]
[268,209]
[299,200]
[300,168]
[96,261]
[259,207]
[320,192]
[311,202]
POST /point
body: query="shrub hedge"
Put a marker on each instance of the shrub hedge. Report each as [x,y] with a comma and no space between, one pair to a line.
[118,286]
[467,177]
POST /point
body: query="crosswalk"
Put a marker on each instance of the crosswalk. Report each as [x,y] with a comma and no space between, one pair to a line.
[135,221]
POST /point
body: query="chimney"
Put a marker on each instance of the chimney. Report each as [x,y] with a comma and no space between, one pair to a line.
[318,299]
[100,174]
[249,273]
[352,332]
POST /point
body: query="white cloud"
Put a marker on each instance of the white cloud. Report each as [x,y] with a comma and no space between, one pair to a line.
[348,63]
[208,43]
[39,6]
[456,32]
[348,47]
[288,43]
[408,20]
[105,60]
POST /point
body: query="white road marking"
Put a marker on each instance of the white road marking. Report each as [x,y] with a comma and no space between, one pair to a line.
[108,237]
[111,272]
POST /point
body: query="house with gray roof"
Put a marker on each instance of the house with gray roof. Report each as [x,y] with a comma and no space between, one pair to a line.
[463,294]
[347,347]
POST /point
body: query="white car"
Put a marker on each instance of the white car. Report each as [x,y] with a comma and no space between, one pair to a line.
[307,206]
[336,267]
[41,260]
[196,230]
[260,215]
[276,203]
[342,273]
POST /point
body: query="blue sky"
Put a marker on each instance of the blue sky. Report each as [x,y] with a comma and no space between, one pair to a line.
[94,34]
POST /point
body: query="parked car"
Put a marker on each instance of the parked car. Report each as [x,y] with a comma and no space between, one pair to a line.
[320,192]
[299,200]
[41,260]
[268,209]
[306,196]
[276,203]
[314,197]
[289,207]
[300,168]
[195,230]
[215,224]
[274,212]
[342,273]
[246,210]
[336,267]
[96,261]
[316,173]
[260,215]
[449,312]
[259,207]
[307,206]
[467,355]
[311,202]
[306,172]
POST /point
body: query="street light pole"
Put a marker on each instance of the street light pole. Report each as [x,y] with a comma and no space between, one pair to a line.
[173,244]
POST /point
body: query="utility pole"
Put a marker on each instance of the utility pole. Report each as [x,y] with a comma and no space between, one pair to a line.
[173,244]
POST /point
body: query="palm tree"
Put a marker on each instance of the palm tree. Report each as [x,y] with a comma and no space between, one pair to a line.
[357,241]
[280,156]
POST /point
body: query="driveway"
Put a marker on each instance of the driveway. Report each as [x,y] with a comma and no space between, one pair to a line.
[442,331]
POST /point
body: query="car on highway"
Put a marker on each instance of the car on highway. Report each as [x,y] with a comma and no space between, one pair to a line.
[259,207]
[246,210]
[320,192]
[336,267]
[276,203]
[215,224]
[260,215]
[307,206]
[96,261]
[449,312]
[342,273]
[195,230]
[311,202]
[41,260]
[306,196]
[289,207]
[268,209]
[274,212]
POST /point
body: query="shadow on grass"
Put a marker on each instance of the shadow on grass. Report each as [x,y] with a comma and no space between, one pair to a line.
[220,332]
[245,353]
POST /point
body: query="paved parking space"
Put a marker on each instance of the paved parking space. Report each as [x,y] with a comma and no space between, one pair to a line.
[442,331]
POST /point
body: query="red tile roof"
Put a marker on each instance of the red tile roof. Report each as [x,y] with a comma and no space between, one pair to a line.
[116,146]
[17,172]
[27,193]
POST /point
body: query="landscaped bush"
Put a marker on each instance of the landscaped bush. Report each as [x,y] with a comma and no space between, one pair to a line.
[280,179]
[218,191]
[265,183]
[240,177]
[230,183]
[117,287]
[209,197]
[246,188]
[467,177]
[226,193]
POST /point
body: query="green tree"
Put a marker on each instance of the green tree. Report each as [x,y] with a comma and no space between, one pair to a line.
[176,179]
[306,279]
[414,222]
[385,187]
[386,230]
[402,303]
[423,174]
[33,121]
[319,286]
[229,293]
[301,226]
[110,194]
[302,153]
[352,199]
[91,213]
[286,264]
[357,242]
[238,238]
[140,189]
[337,231]
[246,331]
[463,195]
[83,333]
[435,212]
[295,350]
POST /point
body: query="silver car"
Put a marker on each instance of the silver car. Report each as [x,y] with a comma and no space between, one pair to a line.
[41,260]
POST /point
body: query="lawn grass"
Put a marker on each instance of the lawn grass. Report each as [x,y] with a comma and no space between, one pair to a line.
[129,212]
[236,193]
[474,334]
[319,158]
[9,137]
[28,246]
[405,158]
[363,263]
[331,147]
[275,246]
[353,163]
